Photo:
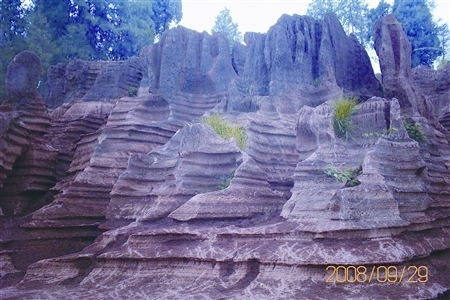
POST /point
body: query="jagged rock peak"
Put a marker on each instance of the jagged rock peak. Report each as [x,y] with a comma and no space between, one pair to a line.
[299,52]
[394,51]
[189,62]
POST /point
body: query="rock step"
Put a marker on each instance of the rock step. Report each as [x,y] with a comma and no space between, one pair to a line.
[157,183]
[272,146]
[445,121]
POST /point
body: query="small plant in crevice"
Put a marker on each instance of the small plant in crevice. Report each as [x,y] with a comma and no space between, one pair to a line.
[226,182]
[132,92]
[376,134]
[316,82]
[348,176]
[414,131]
[226,130]
[343,110]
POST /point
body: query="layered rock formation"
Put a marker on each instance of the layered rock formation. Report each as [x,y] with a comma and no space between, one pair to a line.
[186,214]
[27,160]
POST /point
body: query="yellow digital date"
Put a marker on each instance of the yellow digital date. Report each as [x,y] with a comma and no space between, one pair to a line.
[381,274]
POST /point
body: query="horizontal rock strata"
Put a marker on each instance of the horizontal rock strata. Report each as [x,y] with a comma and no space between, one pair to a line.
[194,161]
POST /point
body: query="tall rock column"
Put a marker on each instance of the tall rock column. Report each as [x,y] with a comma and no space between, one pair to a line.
[26,160]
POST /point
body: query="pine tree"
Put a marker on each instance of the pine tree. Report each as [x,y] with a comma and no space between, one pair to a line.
[318,8]
[422,32]
[353,16]
[224,23]
[351,13]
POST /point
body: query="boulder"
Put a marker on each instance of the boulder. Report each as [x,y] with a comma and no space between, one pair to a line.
[22,78]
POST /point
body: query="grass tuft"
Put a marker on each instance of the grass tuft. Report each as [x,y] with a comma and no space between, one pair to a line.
[348,176]
[343,109]
[415,131]
[226,130]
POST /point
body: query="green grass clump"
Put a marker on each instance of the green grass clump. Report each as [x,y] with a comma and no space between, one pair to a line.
[226,130]
[349,176]
[343,109]
[226,182]
[132,92]
[414,131]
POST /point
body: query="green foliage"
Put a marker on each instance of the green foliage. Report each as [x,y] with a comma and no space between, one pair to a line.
[414,131]
[226,182]
[421,30]
[226,130]
[343,110]
[444,39]
[132,92]
[351,13]
[318,8]
[442,64]
[348,176]
[224,23]
[316,82]
[166,12]
[383,9]
[353,16]
[376,134]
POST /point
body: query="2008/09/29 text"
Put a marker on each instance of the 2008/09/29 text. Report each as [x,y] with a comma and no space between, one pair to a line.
[381,274]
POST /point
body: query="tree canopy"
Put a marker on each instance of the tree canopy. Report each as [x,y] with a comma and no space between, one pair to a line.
[351,13]
[224,23]
[422,31]
[64,30]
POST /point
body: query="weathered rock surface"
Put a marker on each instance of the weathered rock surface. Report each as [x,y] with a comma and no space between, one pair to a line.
[67,82]
[196,160]
[93,80]
[147,174]
[27,161]
[247,196]
[436,86]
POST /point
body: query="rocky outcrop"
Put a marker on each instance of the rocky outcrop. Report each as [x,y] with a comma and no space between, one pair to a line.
[394,52]
[436,86]
[93,81]
[189,62]
[67,82]
[27,161]
[306,61]
[247,196]
[194,161]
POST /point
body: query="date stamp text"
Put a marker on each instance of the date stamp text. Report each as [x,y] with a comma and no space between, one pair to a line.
[381,274]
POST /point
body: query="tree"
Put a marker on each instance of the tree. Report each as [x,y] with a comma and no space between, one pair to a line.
[422,32]
[351,14]
[318,8]
[383,9]
[224,23]
[165,12]
[444,39]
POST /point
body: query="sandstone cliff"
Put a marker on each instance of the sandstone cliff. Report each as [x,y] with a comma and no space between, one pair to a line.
[107,194]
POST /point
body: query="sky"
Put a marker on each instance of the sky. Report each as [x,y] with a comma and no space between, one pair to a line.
[259,15]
